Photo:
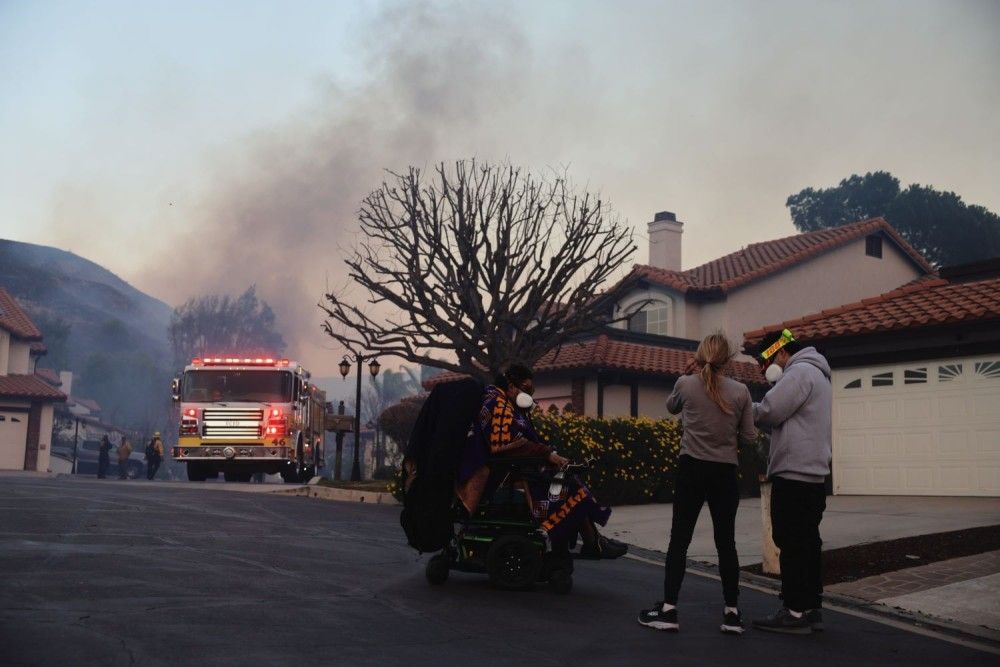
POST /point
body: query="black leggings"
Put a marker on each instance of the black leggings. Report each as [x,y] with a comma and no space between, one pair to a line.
[698,481]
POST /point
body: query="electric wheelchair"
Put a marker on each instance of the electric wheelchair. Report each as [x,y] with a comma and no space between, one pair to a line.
[502,538]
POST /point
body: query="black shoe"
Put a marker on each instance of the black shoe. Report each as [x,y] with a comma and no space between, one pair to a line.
[732,624]
[815,618]
[783,621]
[604,548]
[658,619]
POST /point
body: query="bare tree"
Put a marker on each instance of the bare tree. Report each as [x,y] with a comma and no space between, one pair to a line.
[484,262]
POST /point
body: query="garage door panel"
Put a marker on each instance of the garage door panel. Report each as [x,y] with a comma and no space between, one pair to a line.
[954,442]
[918,444]
[13,437]
[917,410]
[883,412]
[958,479]
[919,480]
[986,406]
[953,408]
[885,444]
[850,411]
[987,441]
[935,430]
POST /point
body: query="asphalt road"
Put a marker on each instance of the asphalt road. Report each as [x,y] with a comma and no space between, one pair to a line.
[108,573]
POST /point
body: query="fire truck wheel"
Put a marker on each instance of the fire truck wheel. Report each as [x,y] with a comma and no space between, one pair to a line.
[196,472]
[291,475]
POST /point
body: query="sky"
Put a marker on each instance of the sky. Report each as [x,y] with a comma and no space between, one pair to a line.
[200,147]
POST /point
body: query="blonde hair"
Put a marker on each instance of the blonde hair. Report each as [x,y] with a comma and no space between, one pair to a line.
[713,354]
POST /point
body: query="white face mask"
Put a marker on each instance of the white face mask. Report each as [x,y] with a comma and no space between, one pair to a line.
[524,401]
[773,373]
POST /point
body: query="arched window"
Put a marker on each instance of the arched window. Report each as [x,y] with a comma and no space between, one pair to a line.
[654,319]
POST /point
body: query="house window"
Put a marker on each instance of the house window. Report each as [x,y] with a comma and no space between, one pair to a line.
[949,372]
[853,384]
[882,380]
[988,369]
[873,246]
[654,319]
[915,376]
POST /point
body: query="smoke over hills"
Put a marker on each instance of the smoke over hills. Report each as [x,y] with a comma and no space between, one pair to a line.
[283,210]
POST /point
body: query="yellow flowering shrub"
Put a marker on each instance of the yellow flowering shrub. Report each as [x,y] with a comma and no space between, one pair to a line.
[633,457]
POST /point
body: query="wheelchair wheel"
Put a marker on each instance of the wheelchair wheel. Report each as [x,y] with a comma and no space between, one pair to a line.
[437,569]
[513,562]
[560,581]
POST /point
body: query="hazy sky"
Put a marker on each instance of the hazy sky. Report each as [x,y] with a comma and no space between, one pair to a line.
[200,147]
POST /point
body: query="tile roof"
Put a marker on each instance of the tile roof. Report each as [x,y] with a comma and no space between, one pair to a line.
[14,320]
[38,347]
[88,403]
[606,353]
[49,375]
[29,387]
[758,260]
[913,306]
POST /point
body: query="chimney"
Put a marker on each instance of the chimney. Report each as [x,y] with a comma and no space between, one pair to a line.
[665,241]
[66,377]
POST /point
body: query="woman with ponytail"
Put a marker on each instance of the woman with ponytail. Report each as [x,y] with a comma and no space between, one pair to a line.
[717,414]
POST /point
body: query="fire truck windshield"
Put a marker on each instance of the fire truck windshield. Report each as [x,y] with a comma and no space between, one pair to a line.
[213,386]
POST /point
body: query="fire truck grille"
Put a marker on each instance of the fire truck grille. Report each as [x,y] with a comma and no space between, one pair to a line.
[232,423]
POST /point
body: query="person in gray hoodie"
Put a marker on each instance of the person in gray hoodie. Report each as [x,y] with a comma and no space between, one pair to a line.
[798,410]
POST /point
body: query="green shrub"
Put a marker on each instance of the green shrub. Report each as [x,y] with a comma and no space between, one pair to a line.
[634,458]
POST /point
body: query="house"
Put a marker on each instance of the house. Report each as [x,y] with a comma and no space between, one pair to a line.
[26,400]
[630,368]
[916,382]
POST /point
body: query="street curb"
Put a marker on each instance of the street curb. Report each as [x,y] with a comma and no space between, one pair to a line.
[341,495]
[986,638]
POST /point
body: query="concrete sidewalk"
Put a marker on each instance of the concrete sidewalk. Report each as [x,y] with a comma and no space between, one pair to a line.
[965,590]
[848,520]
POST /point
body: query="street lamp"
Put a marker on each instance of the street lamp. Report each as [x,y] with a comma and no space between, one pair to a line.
[345,367]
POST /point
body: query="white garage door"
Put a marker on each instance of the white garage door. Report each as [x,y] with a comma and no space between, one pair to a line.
[929,428]
[13,437]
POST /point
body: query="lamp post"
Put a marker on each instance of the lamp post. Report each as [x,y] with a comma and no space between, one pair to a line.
[345,368]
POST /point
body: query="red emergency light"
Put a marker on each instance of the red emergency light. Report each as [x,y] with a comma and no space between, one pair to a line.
[238,361]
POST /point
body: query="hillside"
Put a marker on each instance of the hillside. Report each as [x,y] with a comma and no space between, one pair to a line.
[112,336]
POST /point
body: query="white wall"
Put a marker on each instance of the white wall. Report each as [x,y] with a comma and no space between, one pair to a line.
[653,401]
[20,358]
[558,393]
[617,400]
[833,279]
[590,397]
[45,437]
[4,352]
[678,308]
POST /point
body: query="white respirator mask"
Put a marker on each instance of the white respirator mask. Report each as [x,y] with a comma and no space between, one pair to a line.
[773,373]
[524,401]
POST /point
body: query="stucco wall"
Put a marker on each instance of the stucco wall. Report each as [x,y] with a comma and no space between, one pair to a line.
[835,278]
[590,397]
[20,357]
[678,308]
[4,351]
[653,401]
[45,437]
[617,400]
[548,392]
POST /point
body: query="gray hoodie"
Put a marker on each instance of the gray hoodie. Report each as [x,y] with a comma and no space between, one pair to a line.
[799,408]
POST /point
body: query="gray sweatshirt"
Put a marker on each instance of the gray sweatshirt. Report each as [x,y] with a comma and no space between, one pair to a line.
[709,433]
[799,408]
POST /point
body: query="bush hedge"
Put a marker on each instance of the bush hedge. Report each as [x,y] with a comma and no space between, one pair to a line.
[633,458]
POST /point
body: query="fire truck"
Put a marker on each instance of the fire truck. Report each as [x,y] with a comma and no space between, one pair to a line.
[240,416]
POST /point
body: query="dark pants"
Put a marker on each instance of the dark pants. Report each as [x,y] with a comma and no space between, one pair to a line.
[152,465]
[122,469]
[102,466]
[796,511]
[698,481]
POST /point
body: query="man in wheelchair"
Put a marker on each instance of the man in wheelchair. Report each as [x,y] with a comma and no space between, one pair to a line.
[520,506]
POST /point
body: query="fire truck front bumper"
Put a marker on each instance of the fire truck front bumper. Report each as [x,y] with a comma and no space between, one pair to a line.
[234,452]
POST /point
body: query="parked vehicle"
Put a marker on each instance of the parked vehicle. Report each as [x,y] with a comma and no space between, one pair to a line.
[86,459]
